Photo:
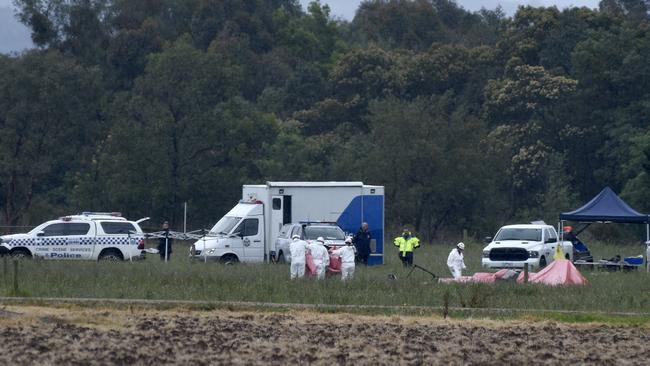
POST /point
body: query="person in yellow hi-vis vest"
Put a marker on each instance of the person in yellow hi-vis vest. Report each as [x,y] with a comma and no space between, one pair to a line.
[406,243]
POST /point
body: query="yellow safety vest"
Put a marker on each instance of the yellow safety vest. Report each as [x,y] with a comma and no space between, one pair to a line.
[406,245]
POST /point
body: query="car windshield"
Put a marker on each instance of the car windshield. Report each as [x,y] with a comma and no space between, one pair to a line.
[327,232]
[519,234]
[225,225]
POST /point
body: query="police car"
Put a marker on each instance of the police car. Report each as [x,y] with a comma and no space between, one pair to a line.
[89,235]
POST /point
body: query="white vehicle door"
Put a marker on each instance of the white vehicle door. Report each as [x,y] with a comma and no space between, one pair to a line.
[283,241]
[276,218]
[50,241]
[121,234]
[251,230]
[549,244]
[78,240]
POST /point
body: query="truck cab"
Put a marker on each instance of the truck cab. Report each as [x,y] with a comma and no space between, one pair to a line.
[514,246]
[236,237]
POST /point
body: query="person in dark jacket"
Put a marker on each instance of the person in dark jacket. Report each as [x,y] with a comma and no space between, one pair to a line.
[362,243]
[165,243]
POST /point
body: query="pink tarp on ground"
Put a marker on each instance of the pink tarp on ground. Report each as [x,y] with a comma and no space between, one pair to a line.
[559,272]
[483,277]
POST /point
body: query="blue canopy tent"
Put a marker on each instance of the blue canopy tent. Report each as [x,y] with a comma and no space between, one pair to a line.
[606,207]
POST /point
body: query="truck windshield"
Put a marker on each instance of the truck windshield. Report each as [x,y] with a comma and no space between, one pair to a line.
[327,232]
[225,225]
[519,234]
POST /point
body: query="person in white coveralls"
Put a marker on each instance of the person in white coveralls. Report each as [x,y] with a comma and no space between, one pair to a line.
[320,256]
[298,249]
[347,259]
[456,261]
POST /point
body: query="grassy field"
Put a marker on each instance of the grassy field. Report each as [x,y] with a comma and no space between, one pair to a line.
[183,280]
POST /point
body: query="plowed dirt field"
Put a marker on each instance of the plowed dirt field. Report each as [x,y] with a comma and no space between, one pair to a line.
[83,336]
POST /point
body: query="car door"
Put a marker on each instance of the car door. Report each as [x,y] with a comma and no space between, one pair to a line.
[78,240]
[250,230]
[47,239]
[283,241]
[549,244]
[50,241]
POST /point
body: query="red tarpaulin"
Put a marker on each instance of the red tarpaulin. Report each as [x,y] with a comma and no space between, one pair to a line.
[559,272]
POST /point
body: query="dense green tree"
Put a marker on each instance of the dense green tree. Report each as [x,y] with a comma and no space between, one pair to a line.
[470,119]
[49,124]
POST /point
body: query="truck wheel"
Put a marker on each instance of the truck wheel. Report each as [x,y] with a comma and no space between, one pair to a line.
[111,255]
[566,256]
[229,259]
[542,262]
[281,259]
[21,253]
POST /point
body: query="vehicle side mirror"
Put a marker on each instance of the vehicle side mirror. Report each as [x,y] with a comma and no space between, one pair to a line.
[487,240]
[40,233]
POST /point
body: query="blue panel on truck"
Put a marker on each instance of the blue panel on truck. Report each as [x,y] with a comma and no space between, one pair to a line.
[368,208]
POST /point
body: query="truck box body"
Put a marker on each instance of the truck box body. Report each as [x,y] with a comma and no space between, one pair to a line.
[346,203]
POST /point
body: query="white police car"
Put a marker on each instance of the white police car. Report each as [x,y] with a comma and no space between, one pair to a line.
[89,235]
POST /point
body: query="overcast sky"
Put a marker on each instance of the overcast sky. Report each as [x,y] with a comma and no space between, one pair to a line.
[15,37]
[346,8]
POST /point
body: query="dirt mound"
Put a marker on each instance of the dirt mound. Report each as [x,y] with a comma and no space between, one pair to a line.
[75,337]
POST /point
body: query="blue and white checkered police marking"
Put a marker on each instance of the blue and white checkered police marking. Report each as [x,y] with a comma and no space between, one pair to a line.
[59,241]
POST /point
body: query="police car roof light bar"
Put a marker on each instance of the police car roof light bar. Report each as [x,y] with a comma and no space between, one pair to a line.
[90,213]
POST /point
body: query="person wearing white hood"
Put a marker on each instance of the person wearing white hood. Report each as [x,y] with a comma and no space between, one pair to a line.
[320,256]
[456,261]
[347,259]
[298,249]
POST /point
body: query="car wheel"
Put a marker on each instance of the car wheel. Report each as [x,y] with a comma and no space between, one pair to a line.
[542,262]
[21,253]
[110,255]
[229,259]
[567,257]
[281,259]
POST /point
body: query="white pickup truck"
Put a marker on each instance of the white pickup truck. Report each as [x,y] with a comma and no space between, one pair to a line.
[515,245]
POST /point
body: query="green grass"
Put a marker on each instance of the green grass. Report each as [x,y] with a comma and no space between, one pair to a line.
[183,280]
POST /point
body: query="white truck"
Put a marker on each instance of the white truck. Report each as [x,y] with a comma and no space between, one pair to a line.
[515,245]
[248,232]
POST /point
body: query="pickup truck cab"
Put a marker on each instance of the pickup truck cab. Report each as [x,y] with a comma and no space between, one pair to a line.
[89,235]
[308,231]
[515,245]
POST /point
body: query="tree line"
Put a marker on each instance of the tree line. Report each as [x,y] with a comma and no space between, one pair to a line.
[470,119]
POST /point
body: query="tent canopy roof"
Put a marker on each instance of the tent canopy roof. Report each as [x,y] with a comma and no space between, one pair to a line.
[606,206]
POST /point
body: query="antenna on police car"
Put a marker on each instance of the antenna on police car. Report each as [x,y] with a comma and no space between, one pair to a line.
[142,220]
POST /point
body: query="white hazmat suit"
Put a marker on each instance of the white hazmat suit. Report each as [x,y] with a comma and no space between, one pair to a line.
[347,261]
[321,258]
[456,263]
[298,249]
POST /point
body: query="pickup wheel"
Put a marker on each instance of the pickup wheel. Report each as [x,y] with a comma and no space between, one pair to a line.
[229,259]
[21,253]
[542,262]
